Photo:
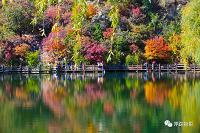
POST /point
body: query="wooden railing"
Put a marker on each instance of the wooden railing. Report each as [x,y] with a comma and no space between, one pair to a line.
[96,68]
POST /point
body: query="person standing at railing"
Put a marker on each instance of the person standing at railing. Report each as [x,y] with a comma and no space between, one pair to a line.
[102,65]
[98,63]
[80,64]
[146,66]
[120,64]
[69,65]
[63,66]
[175,65]
[58,67]
[154,64]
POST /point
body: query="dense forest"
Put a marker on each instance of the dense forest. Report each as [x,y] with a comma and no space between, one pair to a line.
[36,32]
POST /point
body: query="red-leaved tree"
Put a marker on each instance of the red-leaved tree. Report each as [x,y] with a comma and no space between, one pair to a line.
[137,15]
[94,52]
[134,48]
[108,32]
[53,45]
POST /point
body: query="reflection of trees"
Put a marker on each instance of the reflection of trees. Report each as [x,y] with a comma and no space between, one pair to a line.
[22,120]
[116,105]
[186,97]
[156,92]
[53,95]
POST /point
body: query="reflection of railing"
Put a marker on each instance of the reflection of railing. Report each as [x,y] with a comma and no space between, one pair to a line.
[97,68]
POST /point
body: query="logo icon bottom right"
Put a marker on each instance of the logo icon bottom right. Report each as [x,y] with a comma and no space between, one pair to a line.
[168,123]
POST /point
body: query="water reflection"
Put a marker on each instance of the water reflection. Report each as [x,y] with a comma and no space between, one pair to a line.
[114,102]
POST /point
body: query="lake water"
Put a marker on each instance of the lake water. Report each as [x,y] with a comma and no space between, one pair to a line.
[109,103]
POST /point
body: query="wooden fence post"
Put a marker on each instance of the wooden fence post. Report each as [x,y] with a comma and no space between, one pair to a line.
[153,67]
[50,71]
[11,68]
[194,67]
[137,67]
[159,67]
[29,69]
[21,68]
[167,67]
[83,67]
[3,68]
[176,68]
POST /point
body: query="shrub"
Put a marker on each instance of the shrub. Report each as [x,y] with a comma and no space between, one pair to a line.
[32,58]
[107,33]
[98,33]
[129,59]
[137,16]
[120,44]
[133,59]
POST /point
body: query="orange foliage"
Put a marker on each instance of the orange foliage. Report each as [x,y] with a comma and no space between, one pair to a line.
[108,108]
[157,49]
[91,11]
[21,94]
[156,93]
[70,31]
[21,49]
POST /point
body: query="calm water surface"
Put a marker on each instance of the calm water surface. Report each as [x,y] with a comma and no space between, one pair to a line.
[112,103]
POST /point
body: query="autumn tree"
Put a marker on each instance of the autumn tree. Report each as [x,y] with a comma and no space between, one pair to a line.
[21,49]
[53,45]
[107,33]
[157,49]
[190,35]
[91,11]
[136,15]
[175,46]
[94,52]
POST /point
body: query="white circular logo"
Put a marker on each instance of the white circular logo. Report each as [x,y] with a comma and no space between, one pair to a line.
[168,123]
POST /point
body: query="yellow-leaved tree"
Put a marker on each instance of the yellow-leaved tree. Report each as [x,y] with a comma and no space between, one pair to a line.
[190,36]
[175,46]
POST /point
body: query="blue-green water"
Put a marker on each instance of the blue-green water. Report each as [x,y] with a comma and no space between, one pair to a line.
[112,103]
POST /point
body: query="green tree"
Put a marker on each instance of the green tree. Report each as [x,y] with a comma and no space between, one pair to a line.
[17,17]
[190,36]
[133,59]
[98,33]
[32,58]
[114,17]
[79,12]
